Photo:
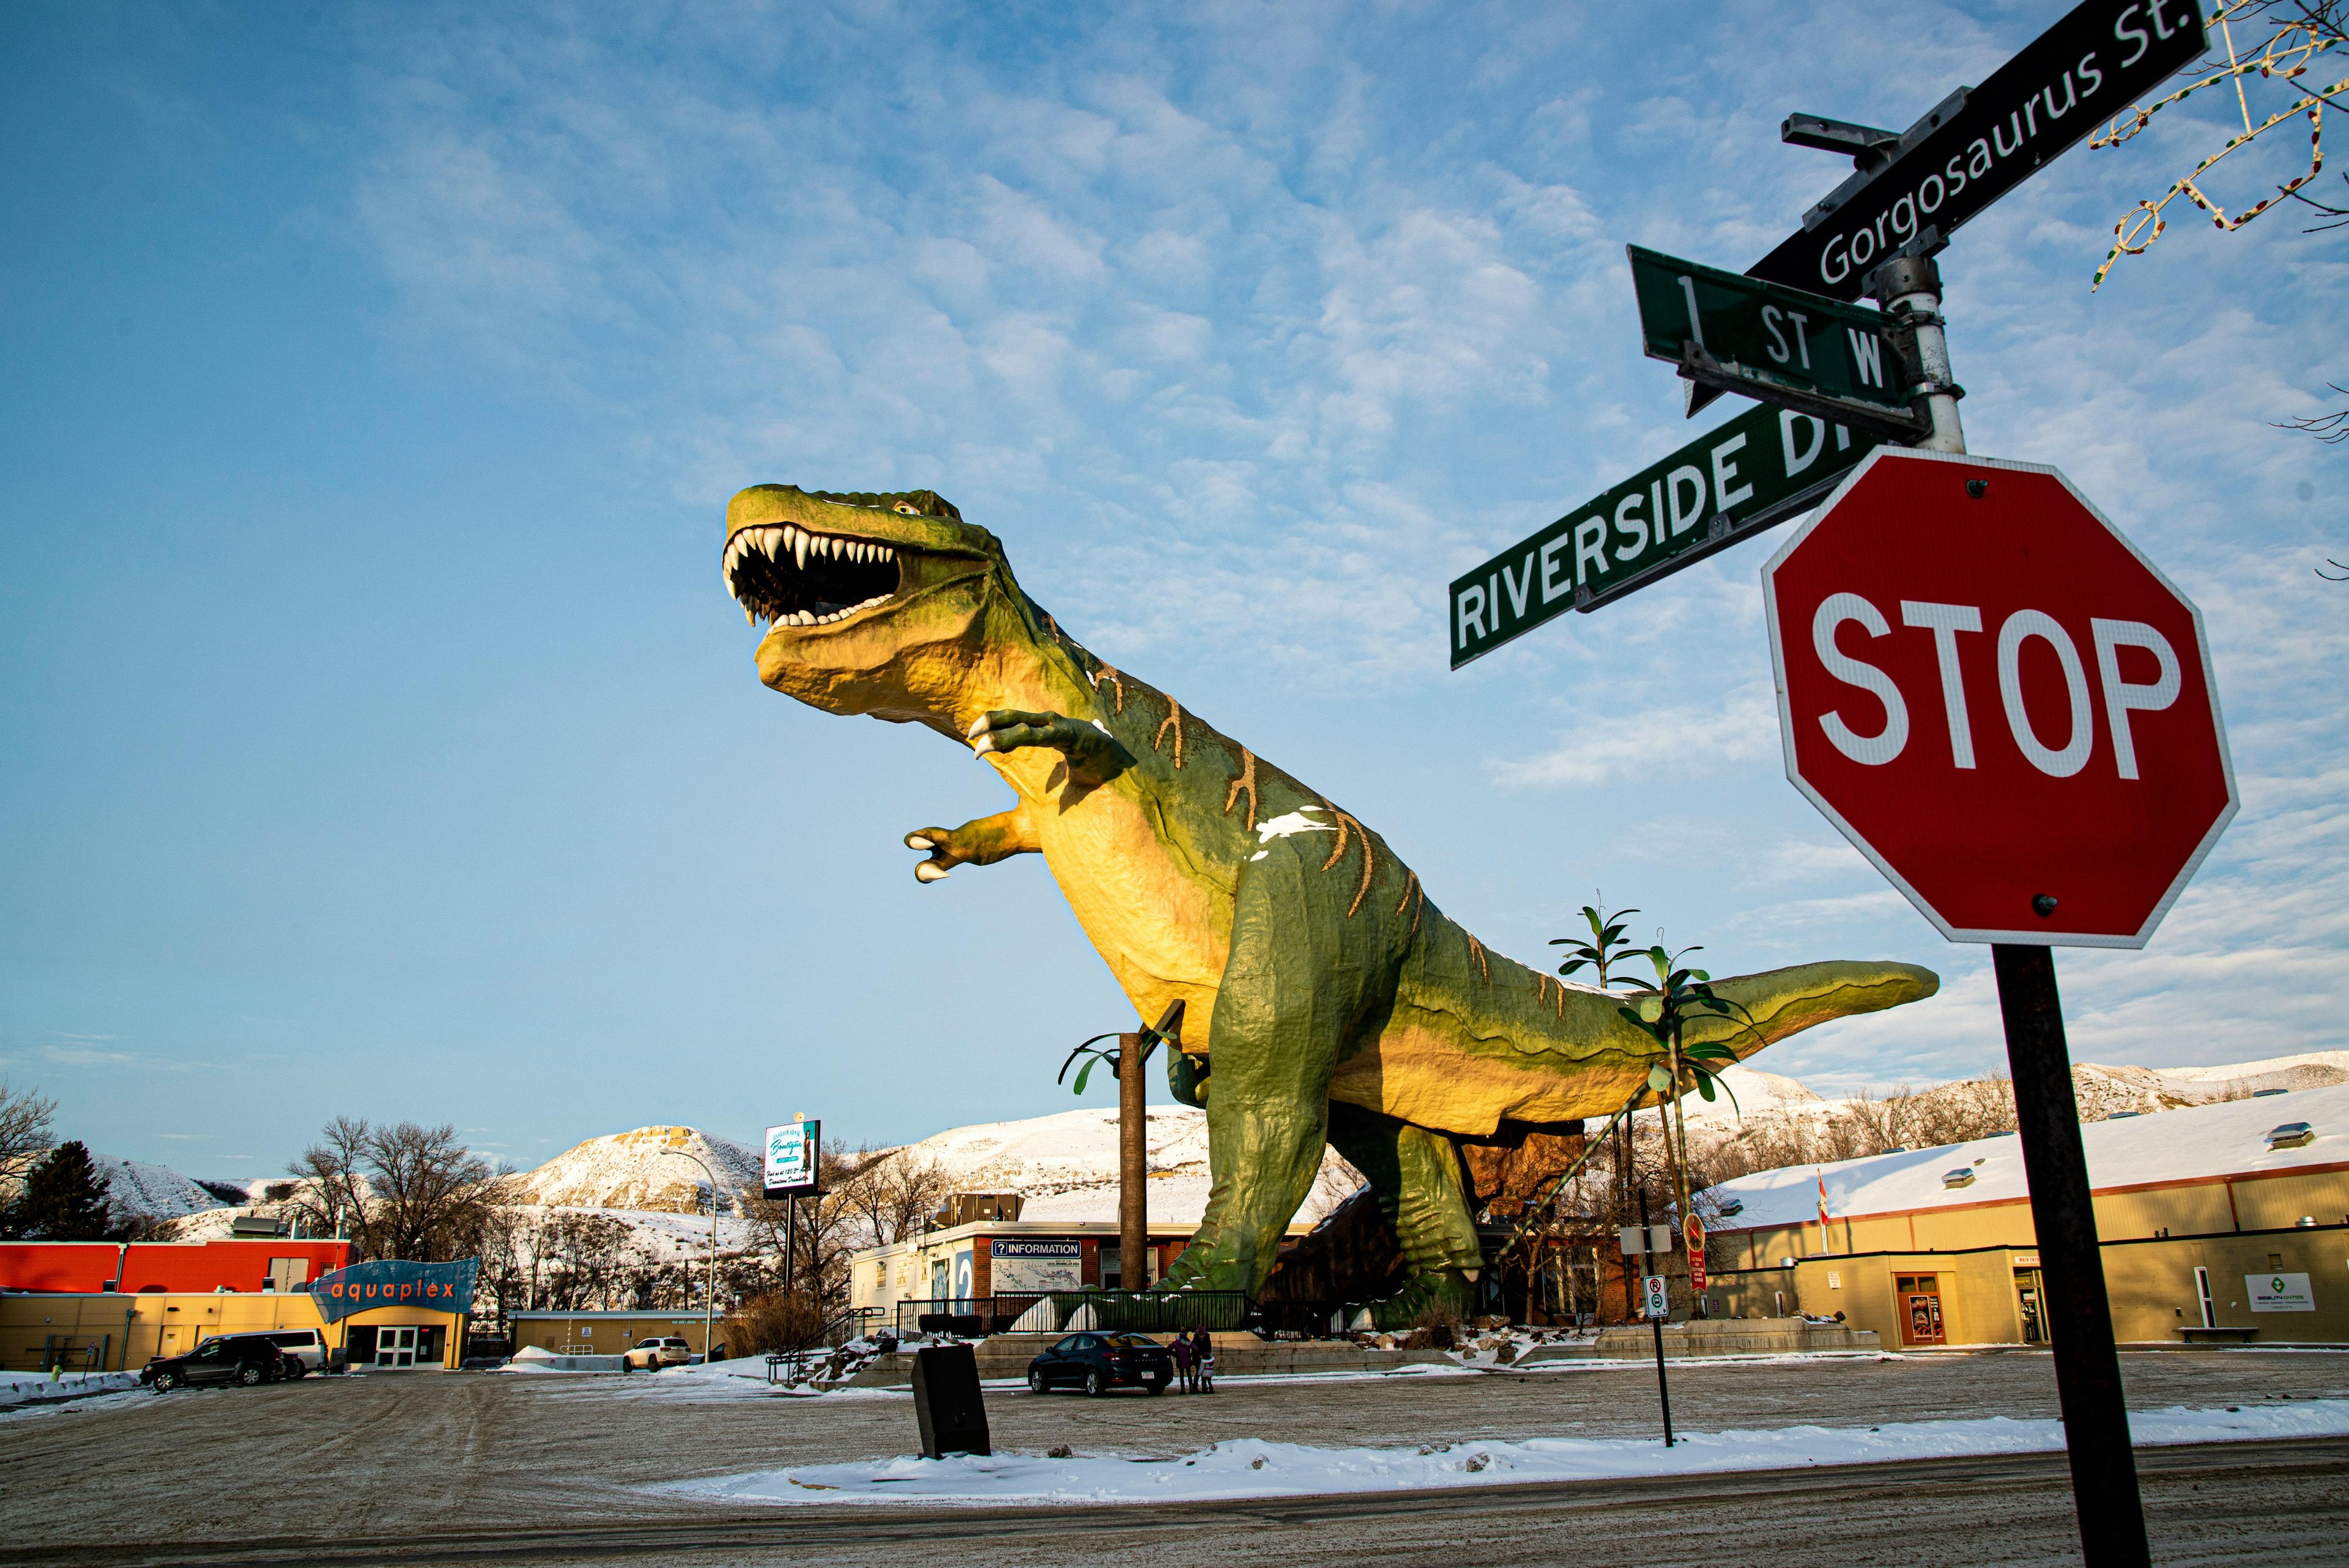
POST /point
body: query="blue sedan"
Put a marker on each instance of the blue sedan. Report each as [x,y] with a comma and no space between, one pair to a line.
[1100,1362]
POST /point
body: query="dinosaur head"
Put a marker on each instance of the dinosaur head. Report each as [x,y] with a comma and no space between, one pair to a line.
[875,604]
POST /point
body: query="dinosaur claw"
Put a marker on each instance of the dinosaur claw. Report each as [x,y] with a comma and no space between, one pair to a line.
[916,842]
[930,872]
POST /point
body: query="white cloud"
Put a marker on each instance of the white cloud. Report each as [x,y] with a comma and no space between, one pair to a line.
[1248,332]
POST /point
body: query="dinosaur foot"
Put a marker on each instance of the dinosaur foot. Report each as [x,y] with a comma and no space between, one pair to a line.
[1446,1293]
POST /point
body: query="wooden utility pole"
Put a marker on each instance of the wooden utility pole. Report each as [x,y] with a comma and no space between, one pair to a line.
[1132,1164]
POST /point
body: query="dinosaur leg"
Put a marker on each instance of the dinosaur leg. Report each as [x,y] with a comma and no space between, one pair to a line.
[978,843]
[1301,982]
[1094,756]
[1416,1174]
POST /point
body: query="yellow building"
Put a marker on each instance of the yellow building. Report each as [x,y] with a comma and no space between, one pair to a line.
[113,1333]
[607,1333]
[2223,1222]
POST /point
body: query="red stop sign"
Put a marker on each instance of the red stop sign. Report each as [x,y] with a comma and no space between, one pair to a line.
[1998,699]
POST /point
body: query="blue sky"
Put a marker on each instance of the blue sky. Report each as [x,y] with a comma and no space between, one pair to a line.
[374,736]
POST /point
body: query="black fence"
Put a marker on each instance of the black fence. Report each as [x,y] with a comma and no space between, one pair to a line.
[1057,1312]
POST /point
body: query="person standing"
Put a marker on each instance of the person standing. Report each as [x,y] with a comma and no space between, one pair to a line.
[1203,1355]
[1181,1351]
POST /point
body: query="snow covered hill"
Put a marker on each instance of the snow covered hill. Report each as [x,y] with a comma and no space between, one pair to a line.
[1066,1164]
[636,1171]
[135,1187]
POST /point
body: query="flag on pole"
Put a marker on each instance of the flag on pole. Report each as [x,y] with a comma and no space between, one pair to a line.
[1827,1236]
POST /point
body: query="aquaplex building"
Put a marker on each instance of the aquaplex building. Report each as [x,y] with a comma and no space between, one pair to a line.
[2224,1222]
[110,1306]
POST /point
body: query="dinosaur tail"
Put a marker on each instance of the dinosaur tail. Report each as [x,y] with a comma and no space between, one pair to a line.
[1777,1003]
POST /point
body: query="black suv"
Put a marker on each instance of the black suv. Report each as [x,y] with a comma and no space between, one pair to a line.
[1100,1362]
[248,1358]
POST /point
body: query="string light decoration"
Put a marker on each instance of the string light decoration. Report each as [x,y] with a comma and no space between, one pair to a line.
[2285,57]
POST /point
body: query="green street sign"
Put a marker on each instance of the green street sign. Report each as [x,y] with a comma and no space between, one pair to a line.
[1803,351]
[1763,467]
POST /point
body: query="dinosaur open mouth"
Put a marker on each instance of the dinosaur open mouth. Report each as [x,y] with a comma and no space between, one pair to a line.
[791,577]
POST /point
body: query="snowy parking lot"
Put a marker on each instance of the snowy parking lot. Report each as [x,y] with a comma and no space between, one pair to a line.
[417,1456]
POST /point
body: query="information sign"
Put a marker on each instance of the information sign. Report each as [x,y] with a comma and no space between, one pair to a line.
[1659,1299]
[1760,469]
[1781,344]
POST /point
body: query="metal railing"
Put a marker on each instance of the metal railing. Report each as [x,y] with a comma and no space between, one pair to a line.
[1059,1310]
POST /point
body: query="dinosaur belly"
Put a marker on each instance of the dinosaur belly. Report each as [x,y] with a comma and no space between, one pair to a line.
[1420,1075]
[1162,927]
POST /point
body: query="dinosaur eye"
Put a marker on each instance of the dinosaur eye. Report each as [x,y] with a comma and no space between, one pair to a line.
[907,508]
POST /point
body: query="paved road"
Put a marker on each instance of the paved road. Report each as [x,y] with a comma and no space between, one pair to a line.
[434,1469]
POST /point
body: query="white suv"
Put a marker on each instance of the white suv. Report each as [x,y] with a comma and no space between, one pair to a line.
[305,1344]
[652,1355]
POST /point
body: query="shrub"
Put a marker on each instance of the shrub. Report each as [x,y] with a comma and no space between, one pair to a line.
[778,1320]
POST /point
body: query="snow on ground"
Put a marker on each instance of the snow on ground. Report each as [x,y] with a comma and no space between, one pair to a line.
[1250,1468]
[19,1389]
[2198,1142]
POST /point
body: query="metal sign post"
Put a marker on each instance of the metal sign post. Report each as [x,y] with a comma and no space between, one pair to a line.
[1657,1305]
[1891,728]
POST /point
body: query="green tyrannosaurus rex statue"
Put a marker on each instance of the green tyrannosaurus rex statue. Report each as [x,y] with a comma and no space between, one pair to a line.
[1340,1004]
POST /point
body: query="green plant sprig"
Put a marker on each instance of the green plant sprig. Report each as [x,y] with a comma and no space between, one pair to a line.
[1680,996]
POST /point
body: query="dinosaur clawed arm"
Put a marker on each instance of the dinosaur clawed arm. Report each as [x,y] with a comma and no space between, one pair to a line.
[978,843]
[1094,756]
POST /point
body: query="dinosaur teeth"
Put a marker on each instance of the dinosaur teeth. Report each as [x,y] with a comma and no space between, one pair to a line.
[800,548]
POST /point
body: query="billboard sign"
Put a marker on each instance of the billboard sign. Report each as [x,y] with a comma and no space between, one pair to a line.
[790,1159]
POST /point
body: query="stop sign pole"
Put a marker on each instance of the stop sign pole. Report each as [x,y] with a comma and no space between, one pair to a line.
[1975,835]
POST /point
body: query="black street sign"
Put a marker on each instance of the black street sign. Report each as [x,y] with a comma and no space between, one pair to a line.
[1761,467]
[1798,350]
[2079,74]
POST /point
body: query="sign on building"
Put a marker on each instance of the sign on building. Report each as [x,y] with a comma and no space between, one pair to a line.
[791,1161]
[2279,1292]
[440,1287]
[1025,1266]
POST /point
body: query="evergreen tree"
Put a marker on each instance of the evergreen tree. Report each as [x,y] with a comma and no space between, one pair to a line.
[63,1200]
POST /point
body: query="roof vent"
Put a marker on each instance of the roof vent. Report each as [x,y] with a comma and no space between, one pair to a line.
[1734,1207]
[2268,1093]
[1963,1176]
[2122,1115]
[2291,1135]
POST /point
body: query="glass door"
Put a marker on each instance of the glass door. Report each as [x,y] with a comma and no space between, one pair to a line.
[1919,1300]
[395,1346]
[2030,1297]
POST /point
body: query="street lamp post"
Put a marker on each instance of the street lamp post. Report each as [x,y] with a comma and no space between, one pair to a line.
[709,1291]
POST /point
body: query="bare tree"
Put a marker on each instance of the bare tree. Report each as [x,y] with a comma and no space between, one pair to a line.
[400,1190]
[890,1191]
[25,1129]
